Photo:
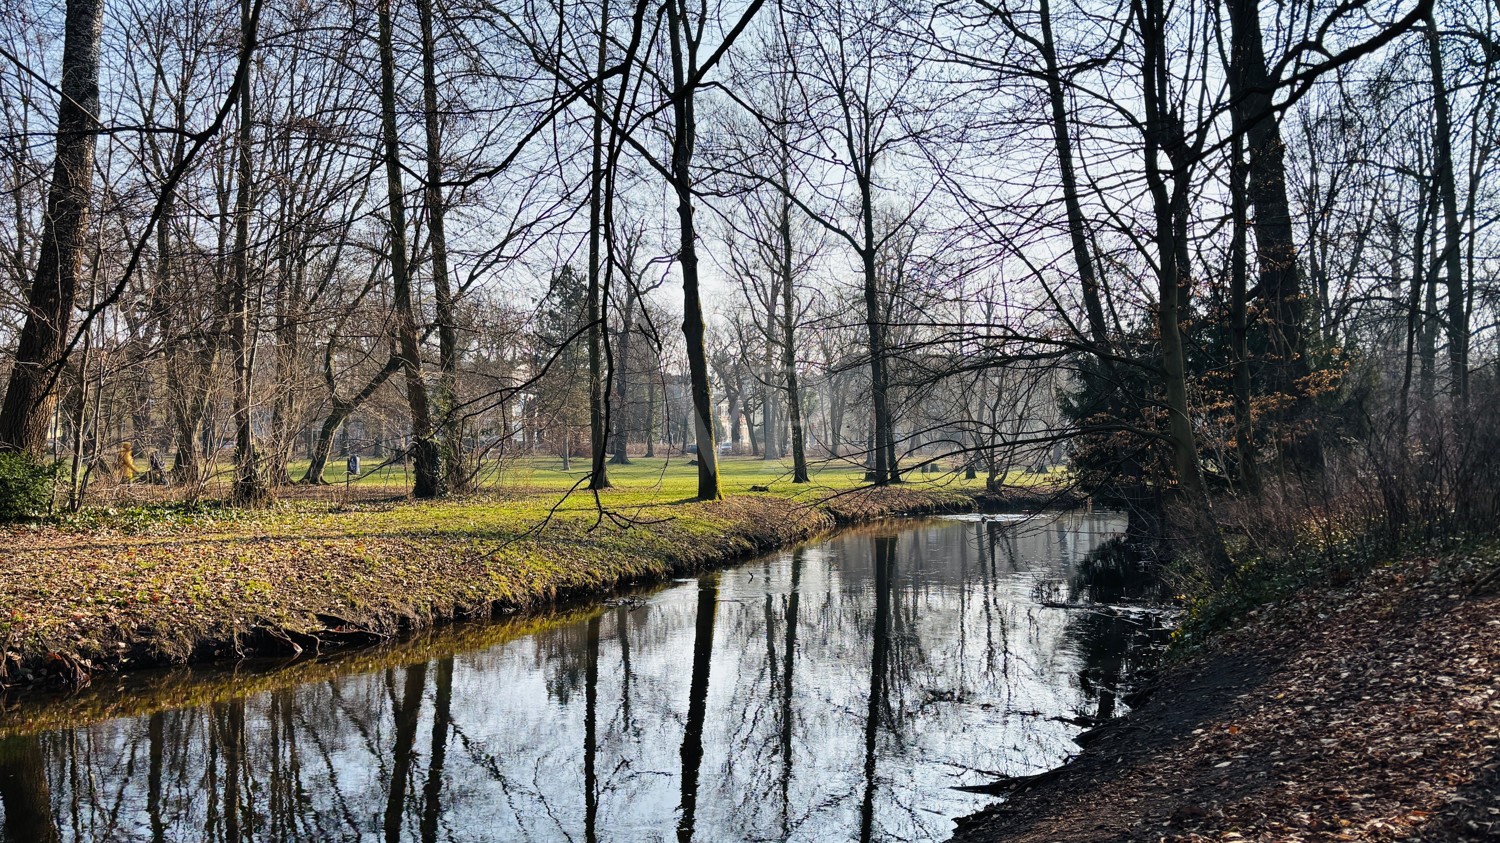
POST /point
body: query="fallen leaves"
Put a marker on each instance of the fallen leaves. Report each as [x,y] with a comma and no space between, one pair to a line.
[1375,716]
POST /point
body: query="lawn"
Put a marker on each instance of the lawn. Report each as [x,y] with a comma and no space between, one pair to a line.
[673,477]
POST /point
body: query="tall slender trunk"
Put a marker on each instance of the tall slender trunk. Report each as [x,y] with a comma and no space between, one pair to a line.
[31,394]
[770,424]
[1088,279]
[732,409]
[650,418]
[249,486]
[684,68]
[79,416]
[429,480]
[450,430]
[788,344]
[1169,204]
[598,399]
[186,366]
[750,431]
[874,325]
[1415,318]
[621,437]
[1452,256]
[285,408]
[834,436]
[1427,351]
[1244,430]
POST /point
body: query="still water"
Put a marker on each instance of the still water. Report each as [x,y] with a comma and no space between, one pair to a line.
[837,691]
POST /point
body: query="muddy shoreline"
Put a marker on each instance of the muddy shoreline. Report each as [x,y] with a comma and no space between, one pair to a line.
[1369,711]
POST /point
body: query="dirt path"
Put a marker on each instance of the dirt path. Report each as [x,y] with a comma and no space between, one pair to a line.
[1368,713]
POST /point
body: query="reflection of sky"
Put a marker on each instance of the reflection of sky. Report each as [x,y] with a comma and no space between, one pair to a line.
[974,669]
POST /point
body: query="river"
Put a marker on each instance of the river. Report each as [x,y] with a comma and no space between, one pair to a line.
[836,691]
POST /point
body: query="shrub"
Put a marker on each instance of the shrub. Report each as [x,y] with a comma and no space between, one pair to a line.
[25,486]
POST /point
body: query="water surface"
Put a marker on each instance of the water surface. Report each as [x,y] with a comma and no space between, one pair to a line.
[836,691]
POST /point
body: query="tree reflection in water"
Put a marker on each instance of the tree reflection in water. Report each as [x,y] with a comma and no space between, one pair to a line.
[837,691]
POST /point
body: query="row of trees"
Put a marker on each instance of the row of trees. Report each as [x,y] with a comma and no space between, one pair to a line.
[1234,241]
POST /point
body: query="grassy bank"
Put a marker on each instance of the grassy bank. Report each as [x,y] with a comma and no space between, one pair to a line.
[113,589]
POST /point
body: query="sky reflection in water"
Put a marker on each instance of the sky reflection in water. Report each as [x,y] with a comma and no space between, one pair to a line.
[837,691]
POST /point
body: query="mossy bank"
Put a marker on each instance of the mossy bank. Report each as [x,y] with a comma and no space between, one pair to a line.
[128,590]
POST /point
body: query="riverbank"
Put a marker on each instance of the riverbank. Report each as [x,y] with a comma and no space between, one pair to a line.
[1369,711]
[127,590]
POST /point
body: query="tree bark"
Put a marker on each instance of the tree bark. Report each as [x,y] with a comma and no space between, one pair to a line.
[1244,429]
[770,423]
[450,430]
[621,436]
[788,346]
[249,486]
[684,67]
[881,470]
[1452,257]
[1088,279]
[31,393]
[598,399]
[1164,135]
[429,481]
[1253,113]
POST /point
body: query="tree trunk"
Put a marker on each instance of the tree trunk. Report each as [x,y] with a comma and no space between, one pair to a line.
[789,348]
[598,400]
[1244,430]
[1415,320]
[771,446]
[1452,258]
[450,429]
[880,469]
[1077,225]
[427,457]
[285,409]
[31,394]
[834,436]
[684,67]
[750,432]
[650,418]
[249,487]
[621,412]
[1162,135]
[1276,251]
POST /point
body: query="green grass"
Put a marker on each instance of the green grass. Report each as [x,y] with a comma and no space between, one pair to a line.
[151,580]
[666,476]
[531,492]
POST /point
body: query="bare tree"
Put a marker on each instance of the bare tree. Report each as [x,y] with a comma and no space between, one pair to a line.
[31,393]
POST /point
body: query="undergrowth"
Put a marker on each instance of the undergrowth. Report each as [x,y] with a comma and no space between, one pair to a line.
[1264,578]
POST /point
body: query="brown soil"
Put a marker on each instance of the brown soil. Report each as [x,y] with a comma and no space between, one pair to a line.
[1365,713]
